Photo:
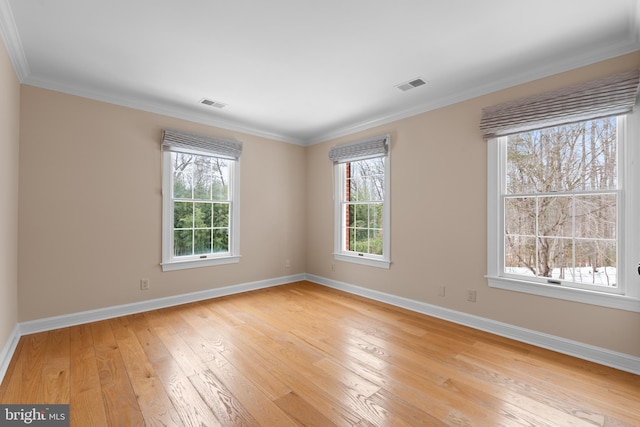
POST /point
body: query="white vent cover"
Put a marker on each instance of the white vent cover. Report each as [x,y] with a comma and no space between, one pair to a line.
[212,103]
[412,84]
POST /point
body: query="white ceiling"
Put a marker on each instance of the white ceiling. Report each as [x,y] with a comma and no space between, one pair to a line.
[304,71]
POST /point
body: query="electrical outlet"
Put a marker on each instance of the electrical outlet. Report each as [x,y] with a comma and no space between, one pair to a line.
[144,284]
[471,295]
[287,263]
[441,291]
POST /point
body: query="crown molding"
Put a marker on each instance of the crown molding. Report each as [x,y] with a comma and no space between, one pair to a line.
[11,38]
[166,109]
[500,83]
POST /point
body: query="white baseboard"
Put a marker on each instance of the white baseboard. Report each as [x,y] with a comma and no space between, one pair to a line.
[73,319]
[56,322]
[599,355]
[622,361]
[8,350]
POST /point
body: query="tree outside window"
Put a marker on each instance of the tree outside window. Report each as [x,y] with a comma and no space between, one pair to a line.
[363,206]
[201,204]
[561,203]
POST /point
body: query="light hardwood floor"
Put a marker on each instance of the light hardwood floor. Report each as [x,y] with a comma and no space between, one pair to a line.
[304,354]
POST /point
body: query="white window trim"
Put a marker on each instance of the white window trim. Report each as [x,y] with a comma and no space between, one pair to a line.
[629,246]
[339,254]
[169,263]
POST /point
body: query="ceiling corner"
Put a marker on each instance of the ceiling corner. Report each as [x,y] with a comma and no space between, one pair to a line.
[11,38]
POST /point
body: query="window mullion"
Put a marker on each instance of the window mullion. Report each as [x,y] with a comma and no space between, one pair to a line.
[537,237]
[573,236]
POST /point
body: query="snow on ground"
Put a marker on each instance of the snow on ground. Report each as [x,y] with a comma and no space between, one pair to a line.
[602,276]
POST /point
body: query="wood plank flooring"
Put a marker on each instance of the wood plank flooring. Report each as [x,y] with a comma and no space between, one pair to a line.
[303,354]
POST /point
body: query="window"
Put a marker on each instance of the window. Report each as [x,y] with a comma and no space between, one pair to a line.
[361,202]
[563,204]
[200,198]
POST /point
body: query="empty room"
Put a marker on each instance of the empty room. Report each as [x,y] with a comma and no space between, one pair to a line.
[347,213]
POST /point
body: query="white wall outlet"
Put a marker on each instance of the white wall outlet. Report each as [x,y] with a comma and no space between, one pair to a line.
[441,291]
[144,284]
[287,263]
[471,295]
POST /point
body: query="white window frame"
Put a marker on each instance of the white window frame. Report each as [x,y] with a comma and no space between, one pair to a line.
[339,251]
[169,261]
[628,297]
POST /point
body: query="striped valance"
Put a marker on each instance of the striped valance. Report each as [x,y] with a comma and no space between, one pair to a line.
[185,142]
[609,96]
[366,149]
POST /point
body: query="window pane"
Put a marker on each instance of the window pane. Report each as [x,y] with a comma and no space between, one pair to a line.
[182,242]
[580,156]
[520,255]
[220,178]
[596,216]
[365,180]
[554,257]
[555,216]
[182,175]
[362,240]
[202,215]
[202,178]
[361,215]
[183,215]
[363,206]
[520,216]
[351,215]
[221,240]
[221,215]
[202,242]
[351,239]
[365,240]
[375,215]
[596,262]
[375,242]
[200,203]
[379,185]
[354,188]
[375,188]
[570,235]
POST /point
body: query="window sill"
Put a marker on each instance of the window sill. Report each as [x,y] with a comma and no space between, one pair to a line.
[603,299]
[372,262]
[197,263]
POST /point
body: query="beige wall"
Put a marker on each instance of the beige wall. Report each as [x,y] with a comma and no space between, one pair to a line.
[90,213]
[9,138]
[438,222]
[90,207]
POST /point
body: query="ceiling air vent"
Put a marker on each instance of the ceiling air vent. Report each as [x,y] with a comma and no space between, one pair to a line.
[411,84]
[212,103]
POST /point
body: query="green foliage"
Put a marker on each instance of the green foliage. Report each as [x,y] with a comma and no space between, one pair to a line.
[200,228]
[364,205]
[201,207]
